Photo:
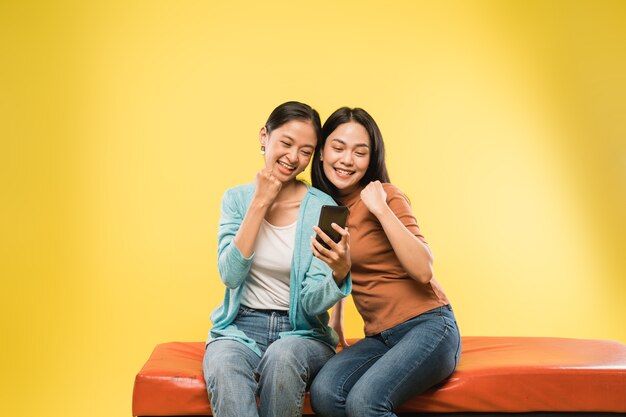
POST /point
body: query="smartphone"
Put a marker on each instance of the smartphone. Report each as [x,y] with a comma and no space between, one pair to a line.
[329,215]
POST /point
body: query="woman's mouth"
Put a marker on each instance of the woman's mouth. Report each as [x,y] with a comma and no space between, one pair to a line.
[285,168]
[343,173]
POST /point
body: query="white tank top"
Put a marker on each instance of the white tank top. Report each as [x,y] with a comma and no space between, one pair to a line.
[267,284]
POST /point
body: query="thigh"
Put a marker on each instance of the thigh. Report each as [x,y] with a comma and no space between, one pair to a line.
[344,369]
[228,357]
[423,357]
[228,368]
[255,324]
[296,353]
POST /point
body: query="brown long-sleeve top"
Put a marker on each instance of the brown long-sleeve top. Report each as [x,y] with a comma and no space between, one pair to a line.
[384,293]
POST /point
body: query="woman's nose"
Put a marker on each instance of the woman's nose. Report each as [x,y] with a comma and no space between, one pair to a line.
[293,155]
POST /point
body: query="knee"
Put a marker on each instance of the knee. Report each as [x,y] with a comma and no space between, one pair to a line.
[223,365]
[363,401]
[326,400]
[282,357]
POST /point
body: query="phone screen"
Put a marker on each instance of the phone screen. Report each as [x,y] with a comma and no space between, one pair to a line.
[329,215]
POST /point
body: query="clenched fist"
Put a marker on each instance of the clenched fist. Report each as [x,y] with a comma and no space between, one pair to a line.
[374,197]
[267,186]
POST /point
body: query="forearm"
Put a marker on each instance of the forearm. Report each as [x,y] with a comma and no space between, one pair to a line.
[413,254]
[318,292]
[336,315]
[249,229]
[336,322]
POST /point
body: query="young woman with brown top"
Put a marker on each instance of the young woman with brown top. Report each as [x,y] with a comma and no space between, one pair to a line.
[411,339]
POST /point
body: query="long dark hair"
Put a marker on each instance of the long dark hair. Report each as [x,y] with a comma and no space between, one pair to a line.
[294,110]
[376,170]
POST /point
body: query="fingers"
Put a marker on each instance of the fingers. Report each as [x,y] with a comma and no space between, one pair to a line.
[265,172]
[373,187]
[336,248]
[374,197]
[267,186]
[330,256]
[343,231]
[324,237]
[268,175]
[323,251]
[320,251]
[265,178]
[345,235]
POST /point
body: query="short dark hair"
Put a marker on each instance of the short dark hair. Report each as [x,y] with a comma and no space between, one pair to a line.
[294,110]
[376,170]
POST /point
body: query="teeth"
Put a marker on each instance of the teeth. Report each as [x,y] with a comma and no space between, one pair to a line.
[341,171]
[287,165]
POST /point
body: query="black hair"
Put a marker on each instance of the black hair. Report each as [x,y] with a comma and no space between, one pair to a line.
[294,110]
[376,170]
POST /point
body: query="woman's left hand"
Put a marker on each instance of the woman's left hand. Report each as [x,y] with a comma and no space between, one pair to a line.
[374,197]
[338,256]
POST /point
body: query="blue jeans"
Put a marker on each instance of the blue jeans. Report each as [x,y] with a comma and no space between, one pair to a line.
[235,375]
[380,372]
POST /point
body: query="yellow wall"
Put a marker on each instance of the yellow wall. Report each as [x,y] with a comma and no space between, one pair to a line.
[122,125]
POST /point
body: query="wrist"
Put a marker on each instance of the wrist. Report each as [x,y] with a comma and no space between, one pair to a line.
[382,211]
[259,202]
[339,276]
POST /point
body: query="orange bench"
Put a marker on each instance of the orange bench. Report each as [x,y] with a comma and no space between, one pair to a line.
[496,375]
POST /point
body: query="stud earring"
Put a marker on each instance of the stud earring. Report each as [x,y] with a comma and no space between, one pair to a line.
[262,150]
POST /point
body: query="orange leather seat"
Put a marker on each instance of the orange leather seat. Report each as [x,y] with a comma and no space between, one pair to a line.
[495,374]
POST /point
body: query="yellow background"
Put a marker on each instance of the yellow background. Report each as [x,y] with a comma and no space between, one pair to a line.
[122,125]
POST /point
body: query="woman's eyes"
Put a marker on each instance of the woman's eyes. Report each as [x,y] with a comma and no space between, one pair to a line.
[288,145]
[359,154]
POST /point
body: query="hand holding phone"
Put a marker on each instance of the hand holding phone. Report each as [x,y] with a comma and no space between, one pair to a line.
[328,216]
[338,257]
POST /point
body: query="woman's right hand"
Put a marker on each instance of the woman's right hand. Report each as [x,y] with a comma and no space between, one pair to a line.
[338,256]
[267,186]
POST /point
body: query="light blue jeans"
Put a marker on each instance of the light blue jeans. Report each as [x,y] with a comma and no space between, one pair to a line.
[379,373]
[235,376]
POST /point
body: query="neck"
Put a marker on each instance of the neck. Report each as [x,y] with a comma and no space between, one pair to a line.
[288,190]
[349,196]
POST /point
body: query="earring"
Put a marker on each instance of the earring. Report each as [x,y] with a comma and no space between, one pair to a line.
[262,150]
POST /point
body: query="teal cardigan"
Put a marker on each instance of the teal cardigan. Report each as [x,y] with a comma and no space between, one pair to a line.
[312,288]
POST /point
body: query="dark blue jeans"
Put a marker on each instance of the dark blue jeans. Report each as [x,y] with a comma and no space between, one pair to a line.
[379,373]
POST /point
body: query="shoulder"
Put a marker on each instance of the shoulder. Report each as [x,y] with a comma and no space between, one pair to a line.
[393,191]
[242,189]
[240,192]
[236,200]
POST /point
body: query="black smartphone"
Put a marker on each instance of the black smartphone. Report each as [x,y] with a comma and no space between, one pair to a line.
[329,215]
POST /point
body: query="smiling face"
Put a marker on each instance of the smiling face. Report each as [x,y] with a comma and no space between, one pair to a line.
[346,156]
[288,148]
